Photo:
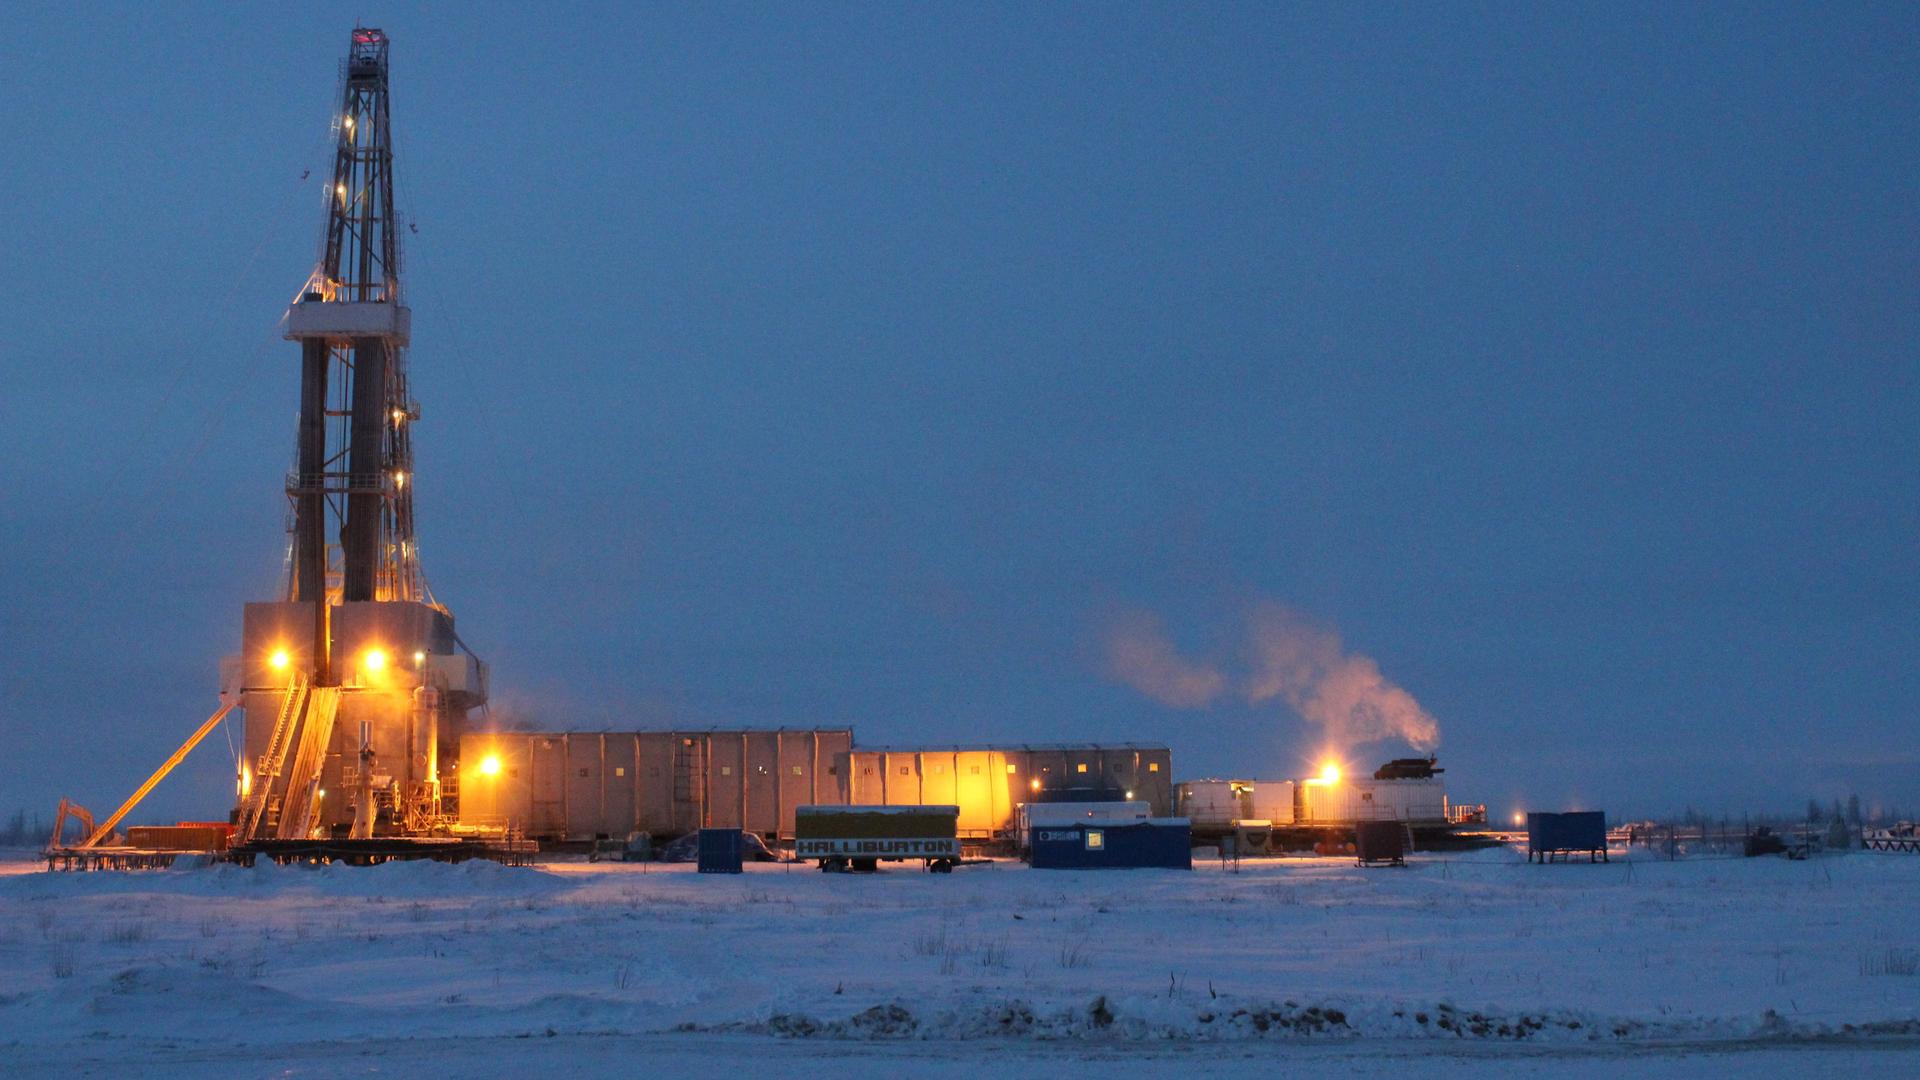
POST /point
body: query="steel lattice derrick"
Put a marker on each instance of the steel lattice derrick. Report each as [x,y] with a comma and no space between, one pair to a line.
[351,486]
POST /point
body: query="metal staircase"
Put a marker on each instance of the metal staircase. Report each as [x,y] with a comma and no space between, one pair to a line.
[689,784]
[301,809]
[274,760]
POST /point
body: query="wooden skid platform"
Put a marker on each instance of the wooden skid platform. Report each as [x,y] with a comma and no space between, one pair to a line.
[384,849]
[118,858]
[349,852]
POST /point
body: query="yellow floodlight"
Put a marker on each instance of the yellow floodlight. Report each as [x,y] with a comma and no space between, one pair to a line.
[376,659]
[490,765]
[279,659]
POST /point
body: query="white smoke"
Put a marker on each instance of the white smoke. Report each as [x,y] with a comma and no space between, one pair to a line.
[1289,657]
[1139,653]
[1344,693]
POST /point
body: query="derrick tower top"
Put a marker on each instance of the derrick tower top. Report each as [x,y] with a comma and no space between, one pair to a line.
[351,489]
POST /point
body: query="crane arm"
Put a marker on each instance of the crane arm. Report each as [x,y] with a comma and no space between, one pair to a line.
[106,827]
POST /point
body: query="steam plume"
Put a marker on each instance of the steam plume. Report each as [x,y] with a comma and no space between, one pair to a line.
[1305,666]
[1140,655]
[1289,658]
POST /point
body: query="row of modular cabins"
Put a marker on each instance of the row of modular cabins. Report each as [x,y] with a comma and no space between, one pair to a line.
[1216,806]
[571,786]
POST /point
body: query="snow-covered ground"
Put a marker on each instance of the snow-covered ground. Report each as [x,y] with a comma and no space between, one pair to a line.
[1480,961]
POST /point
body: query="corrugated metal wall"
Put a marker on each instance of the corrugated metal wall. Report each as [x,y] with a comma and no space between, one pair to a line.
[1367,799]
[986,783]
[577,785]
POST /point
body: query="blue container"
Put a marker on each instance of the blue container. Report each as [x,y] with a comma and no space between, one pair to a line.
[1157,842]
[720,851]
[1580,832]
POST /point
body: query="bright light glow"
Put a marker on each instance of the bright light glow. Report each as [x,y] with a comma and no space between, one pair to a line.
[398,416]
[349,122]
[1519,817]
[340,190]
[1329,773]
[376,660]
[1036,783]
[419,657]
[1129,796]
[490,765]
[279,659]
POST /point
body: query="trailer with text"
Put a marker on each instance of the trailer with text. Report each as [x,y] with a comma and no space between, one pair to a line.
[843,838]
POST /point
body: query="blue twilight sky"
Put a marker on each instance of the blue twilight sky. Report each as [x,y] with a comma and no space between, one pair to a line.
[861,364]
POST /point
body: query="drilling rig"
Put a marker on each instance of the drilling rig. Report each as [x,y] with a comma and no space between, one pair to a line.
[354,685]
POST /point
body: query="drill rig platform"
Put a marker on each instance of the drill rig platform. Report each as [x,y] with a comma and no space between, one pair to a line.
[354,685]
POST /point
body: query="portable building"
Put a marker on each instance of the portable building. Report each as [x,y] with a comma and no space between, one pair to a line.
[1270,801]
[1155,842]
[987,783]
[1357,799]
[1219,806]
[579,785]
[1214,805]
[1030,816]
[1579,832]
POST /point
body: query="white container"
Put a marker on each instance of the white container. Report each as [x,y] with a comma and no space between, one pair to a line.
[1270,801]
[1213,804]
[1367,799]
[1030,816]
